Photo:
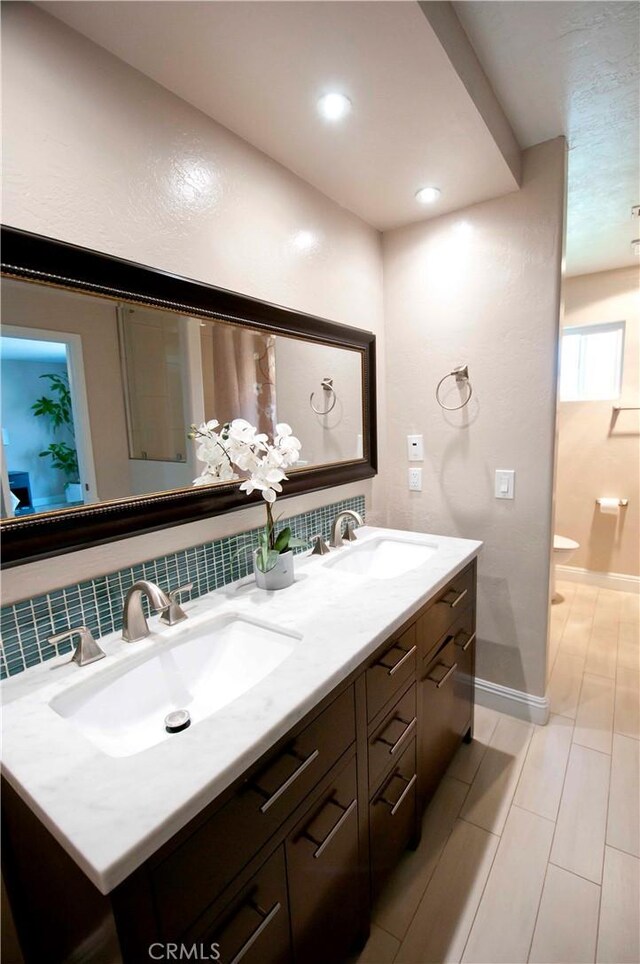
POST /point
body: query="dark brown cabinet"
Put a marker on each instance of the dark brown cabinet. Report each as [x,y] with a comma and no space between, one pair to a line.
[323,868]
[240,828]
[464,678]
[390,737]
[390,670]
[255,927]
[284,867]
[438,734]
[392,818]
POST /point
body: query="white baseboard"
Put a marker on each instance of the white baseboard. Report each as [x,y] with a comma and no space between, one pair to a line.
[619,581]
[534,709]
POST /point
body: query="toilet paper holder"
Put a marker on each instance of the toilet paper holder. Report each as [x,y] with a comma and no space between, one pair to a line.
[621,502]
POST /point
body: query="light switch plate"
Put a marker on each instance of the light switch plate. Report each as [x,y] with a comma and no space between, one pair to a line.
[505,483]
[415,448]
[415,480]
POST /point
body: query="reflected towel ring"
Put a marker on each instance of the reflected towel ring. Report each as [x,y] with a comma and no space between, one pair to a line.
[327,386]
[460,374]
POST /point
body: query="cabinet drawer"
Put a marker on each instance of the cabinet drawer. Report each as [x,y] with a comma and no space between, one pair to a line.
[254,928]
[392,815]
[191,877]
[390,670]
[443,612]
[323,874]
[391,737]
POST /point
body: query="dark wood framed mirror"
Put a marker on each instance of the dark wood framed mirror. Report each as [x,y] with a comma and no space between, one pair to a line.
[136,355]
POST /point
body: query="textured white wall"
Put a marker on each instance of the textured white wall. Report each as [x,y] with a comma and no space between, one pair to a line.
[595,456]
[99,155]
[482,287]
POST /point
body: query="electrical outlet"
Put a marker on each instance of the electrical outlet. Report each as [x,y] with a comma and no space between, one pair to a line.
[415,480]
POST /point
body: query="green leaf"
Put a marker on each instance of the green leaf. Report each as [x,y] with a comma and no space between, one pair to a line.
[283,541]
[296,543]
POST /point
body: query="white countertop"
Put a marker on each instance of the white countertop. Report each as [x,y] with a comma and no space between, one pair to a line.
[112,813]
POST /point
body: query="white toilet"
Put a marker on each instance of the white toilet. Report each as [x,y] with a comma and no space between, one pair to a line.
[563,549]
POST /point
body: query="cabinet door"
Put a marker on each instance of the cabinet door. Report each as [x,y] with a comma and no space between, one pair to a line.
[254,929]
[323,874]
[464,677]
[438,739]
[392,818]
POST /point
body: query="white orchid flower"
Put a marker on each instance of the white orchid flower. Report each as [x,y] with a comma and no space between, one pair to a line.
[240,446]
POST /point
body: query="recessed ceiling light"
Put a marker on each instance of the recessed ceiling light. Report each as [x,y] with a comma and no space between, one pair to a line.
[334,107]
[635,211]
[427,195]
[635,244]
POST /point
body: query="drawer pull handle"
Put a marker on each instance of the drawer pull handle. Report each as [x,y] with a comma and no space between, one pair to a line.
[459,597]
[267,917]
[409,728]
[396,806]
[287,783]
[446,676]
[465,646]
[391,670]
[323,844]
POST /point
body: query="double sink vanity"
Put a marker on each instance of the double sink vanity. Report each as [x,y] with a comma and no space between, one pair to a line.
[321,720]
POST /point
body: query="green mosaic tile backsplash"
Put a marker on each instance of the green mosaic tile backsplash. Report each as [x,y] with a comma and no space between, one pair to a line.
[26,626]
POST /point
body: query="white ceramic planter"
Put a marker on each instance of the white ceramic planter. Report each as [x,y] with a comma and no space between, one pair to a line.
[280,576]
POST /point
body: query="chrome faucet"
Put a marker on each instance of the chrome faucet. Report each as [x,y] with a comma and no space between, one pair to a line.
[134,621]
[336,528]
[87,650]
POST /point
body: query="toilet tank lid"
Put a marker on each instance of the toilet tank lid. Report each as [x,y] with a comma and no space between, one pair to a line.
[561,542]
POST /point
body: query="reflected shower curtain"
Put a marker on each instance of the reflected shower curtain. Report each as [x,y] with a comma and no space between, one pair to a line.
[239,374]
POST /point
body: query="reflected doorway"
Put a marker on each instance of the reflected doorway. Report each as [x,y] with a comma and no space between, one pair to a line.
[47,460]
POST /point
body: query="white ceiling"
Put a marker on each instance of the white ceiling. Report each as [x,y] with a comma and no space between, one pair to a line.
[573,68]
[557,67]
[258,69]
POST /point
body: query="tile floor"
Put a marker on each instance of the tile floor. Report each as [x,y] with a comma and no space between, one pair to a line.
[530,848]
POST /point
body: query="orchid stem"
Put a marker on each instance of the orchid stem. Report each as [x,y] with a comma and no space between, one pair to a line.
[270,527]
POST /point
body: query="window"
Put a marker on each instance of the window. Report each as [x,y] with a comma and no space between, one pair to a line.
[591,362]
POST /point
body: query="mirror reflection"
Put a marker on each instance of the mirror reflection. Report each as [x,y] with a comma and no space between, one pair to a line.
[98,396]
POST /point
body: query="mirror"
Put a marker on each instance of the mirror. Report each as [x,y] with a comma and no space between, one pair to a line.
[99,391]
[98,396]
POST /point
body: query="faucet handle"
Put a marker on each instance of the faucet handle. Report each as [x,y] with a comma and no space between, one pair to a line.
[174,613]
[87,650]
[320,547]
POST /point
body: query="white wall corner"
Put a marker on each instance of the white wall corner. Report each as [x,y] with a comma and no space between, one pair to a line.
[524,706]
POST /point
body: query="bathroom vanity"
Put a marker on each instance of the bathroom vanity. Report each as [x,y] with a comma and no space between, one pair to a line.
[265,831]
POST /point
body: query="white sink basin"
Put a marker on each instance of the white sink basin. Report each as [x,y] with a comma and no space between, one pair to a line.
[201,669]
[382,558]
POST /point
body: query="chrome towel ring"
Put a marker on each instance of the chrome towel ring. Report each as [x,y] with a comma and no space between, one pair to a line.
[330,397]
[461,374]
